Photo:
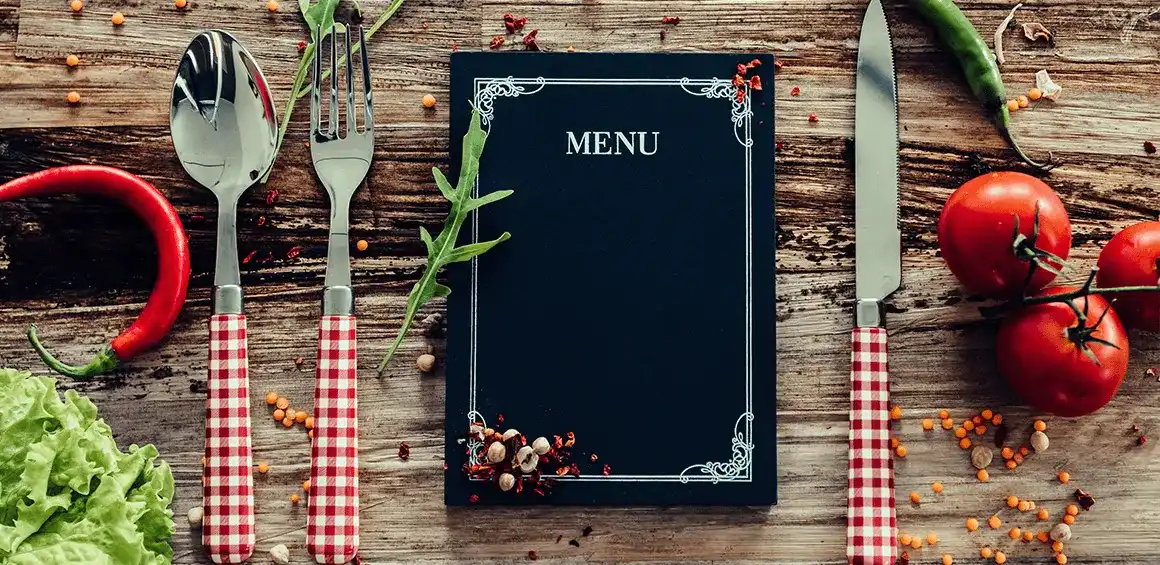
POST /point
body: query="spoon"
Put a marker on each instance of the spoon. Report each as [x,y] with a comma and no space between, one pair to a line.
[222,121]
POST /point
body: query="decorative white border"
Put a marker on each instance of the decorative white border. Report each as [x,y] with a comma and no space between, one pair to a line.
[740,467]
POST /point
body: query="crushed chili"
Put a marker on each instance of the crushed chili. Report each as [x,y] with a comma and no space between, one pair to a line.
[559,537]
[272,196]
[496,42]
[674,20]
[586,531]
[1140,441]
[573,543]
[404,451]
[249,257]
[1085,499]
[1149,147]
[663,35]
[473,498]
[778,64]
[754,82]
[813,117]
[532,555]
[261,221]
[294,252]
[301,47]
[795,91]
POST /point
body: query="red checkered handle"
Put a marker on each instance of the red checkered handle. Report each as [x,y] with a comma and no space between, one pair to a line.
[228,527]
[332,519]
[870,520]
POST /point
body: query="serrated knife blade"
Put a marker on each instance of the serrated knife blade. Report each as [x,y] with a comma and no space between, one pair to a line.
[871,523]
[877,241]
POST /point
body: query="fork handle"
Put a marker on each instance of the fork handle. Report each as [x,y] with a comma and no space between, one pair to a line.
[228,527]
[332,517]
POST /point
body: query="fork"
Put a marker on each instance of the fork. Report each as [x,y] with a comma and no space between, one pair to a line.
[341,163]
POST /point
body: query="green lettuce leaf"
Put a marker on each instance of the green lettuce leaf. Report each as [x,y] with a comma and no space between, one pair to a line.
[67,494]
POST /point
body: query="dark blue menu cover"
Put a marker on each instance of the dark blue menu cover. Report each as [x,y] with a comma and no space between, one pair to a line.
[634,303]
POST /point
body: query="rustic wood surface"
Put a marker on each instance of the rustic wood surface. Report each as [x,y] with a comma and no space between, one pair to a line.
[75,266]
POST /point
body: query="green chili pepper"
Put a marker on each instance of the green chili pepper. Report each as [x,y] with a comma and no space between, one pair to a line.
[978,63]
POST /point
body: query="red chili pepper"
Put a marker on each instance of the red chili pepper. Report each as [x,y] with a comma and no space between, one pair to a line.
[168,294]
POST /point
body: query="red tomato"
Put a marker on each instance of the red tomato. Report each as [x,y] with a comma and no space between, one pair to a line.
[1129,259]
[1040,355]
[977,228]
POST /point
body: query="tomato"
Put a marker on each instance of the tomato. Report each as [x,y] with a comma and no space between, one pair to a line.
[1041,357]
[976,233]
[1129,259]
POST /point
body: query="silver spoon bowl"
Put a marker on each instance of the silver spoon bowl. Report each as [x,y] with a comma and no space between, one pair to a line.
[224,131]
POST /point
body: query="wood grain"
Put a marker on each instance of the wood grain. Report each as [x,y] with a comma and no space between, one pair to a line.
[77,267]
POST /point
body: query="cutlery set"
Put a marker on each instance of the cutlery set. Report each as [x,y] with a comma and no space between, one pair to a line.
[225,134]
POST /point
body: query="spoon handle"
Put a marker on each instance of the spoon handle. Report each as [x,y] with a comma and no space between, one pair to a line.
[228,525]
[332,517]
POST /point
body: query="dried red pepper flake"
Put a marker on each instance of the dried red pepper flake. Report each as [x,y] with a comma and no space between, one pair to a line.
[1151,373]
[753,64]
[557,442]
[473,498]
[523,440]
[813,117]
[778,64]
[261,221]
[532,555]
[509,26]
[298,361]
[755,82]
[425,26]
[444,466]
[1084,499]
[574,470]
[780,145]
[294,252]
[561,471]
[520,23]
[593,458]
[664,35]
[272,196]
[571,439]
[539,491]
[738,81]
[454,46]
[607,470]
[586,531]
[1140,441]
[530,38]
[573,543]
[196,218]
[249,257]
[1149,147]
[674,20]
[795,91]
[559,537]
[740,95]
[742,69]
[499,418]
[404,451]
[301,47]
[496,42]
[904,559]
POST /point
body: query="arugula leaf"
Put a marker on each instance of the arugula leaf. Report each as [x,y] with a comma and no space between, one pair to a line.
[442,251]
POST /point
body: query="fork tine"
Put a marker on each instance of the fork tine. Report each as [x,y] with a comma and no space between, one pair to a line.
[351,126]
[332,127]
[366,73]
[315,96]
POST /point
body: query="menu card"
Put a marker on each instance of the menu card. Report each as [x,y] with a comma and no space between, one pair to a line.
[632,311]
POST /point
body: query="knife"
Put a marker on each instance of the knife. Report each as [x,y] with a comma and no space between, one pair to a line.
[871,523]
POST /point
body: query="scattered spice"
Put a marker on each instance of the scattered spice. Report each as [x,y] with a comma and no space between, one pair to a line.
[272,196]
[571,439]
[1150,148]
[1085,499]
[404,451]
[573,543]
[586,531]
[795,91]
[673,20]
[1140,441]
[530,38]
[473,498]
[755,83]
[72,60]
[532,555]
[607,470]
[249,257]
[118,18]
[76,5]
[943,414]
[813,118]
[73,97]
[593,457]
[1035,31]
[294,252]
[559,537]
[496,42]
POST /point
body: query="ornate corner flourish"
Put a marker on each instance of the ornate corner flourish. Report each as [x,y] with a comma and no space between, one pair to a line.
[730,470]
[742,110]
[500,88]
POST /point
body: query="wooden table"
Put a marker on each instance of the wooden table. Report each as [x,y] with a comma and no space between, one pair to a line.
[82,268]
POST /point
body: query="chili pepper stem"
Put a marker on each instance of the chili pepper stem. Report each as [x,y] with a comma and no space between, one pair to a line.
[105,361]
[1004,121]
